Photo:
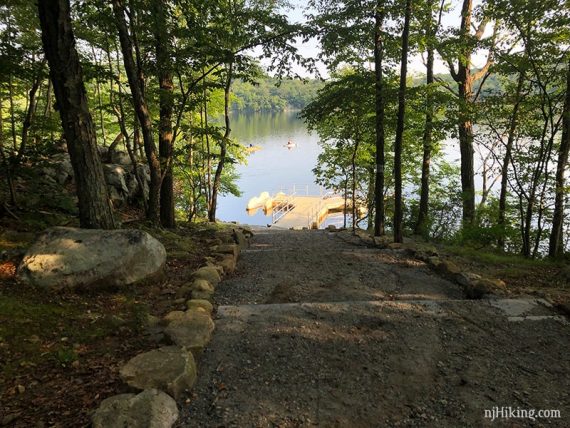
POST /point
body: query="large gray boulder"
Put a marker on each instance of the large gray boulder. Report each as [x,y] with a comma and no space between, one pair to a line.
[170,368]
[149,409]
[65,257]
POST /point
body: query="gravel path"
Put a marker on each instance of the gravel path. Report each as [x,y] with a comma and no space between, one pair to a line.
[317,330]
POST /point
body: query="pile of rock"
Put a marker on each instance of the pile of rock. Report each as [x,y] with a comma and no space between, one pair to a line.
[167,373]
[118,170]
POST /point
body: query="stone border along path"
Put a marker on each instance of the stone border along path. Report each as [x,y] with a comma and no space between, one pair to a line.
[323,328]
[166,374]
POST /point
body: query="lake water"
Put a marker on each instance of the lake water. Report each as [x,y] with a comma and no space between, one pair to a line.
[277,168]
[274,167]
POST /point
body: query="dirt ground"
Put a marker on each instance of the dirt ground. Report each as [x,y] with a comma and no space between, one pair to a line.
[318,330]
[60,353]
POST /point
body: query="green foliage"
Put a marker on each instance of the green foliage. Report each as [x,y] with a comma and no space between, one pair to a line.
[271,94]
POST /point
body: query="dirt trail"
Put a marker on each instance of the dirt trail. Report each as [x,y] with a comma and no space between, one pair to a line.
[318,330]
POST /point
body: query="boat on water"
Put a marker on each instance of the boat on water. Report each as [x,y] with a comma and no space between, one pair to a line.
[252,149]
[290,144]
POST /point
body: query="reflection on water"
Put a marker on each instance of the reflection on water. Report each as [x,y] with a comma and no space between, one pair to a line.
[275,166]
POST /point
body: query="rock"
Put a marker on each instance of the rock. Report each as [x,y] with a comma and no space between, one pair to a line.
[381,241]
[202,295]
[240,239]
[149,409]
[115,175]
[170,368]
[467,278]
[65,257]
[21,389]
[213,264]
[120,157]
[200,304]
[227,249]
[209,274]
[118,198]
[202,285]
[331,228]
[434,262]
[490,284]
[173,316]
[395,246]
[447,267]
[193,332]
[228,264]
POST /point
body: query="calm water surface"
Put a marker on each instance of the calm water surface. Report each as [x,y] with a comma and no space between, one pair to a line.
[274,167]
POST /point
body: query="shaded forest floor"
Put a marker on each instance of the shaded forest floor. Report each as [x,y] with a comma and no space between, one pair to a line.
[60,352]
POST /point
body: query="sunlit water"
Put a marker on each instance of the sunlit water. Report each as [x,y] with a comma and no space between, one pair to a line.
[274,167]
[277,168]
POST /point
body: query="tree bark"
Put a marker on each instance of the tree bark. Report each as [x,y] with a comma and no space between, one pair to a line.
[556,244]
[165,145]
[464,80]
[5,163]
[507,160]
[421,225]
[29,113]
[142,111]
[398,203]
[223,146]
[67,78]
[379,119]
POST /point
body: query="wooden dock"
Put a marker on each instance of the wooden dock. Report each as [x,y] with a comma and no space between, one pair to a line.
[305,211]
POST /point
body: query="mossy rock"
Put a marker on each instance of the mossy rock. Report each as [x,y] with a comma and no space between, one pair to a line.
[200,304]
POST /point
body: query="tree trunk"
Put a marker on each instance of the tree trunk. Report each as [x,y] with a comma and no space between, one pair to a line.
[164,71]
[398,203]
[65,70]
[556,244]
[142,111]
[29,113]
[379,119]
[507,160]
[12,113]
[223,146]
[5,163]
[421,225]
[465,125]
[353,167]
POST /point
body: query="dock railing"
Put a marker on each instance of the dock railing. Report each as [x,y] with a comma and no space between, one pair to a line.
[283,208]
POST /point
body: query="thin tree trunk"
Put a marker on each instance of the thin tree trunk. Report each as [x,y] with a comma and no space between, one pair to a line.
[142,111]
[12,113]
[67,78]
[6,164]
[166,95]
[223,146]
[507,160]
[353,166]
[421,225]
[398,203]
[29,113]
[556,244]
[208,152]
[379,119]
[99,99]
